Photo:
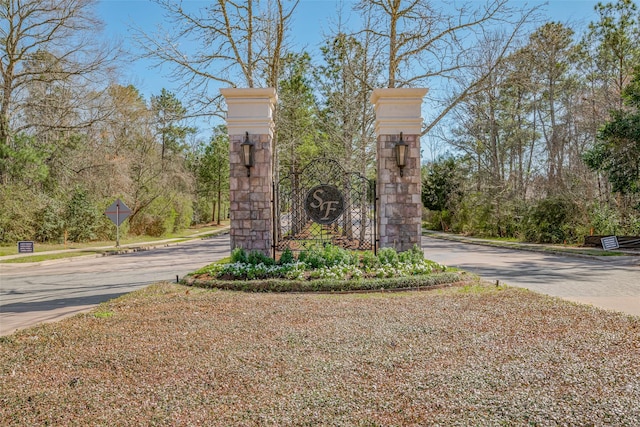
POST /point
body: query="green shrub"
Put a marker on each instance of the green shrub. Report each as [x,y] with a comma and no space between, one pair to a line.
[326,256]
[183,213]
[50,219]
[412,256]
[475,215]
[148,224]
[239,255]
[439,220]
[313,256]
[604,219]
[328,262]
[330,284]
[551,221]
[156,226]
[257,257]
[369,260]
[19,205]
[164,215]
[335,255]
[82,217]
[634,225]
[286,257]
[388,256]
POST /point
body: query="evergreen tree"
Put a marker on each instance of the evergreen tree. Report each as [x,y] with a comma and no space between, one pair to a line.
[617,152]
[212,172]
[169,122]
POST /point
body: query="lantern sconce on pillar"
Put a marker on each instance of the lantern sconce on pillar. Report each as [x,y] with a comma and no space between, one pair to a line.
[401,153]
[248,153]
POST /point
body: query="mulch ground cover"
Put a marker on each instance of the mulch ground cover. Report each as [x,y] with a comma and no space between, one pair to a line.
[474,355]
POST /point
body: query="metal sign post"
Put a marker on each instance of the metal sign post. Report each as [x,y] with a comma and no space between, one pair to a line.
[117,212]
[117,225]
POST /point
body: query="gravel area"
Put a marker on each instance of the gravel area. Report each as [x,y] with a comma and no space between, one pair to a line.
[474,355]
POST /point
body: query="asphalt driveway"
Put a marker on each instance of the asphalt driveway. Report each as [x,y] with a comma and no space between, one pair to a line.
[611,283]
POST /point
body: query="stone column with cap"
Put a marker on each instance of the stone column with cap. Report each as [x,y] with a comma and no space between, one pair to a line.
[250,114]
[398,110]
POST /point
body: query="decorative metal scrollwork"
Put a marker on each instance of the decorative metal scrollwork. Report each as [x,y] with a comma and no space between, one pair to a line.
[322,203]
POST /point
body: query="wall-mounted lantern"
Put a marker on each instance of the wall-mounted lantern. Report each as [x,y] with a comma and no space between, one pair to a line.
[401,153]
[248,152]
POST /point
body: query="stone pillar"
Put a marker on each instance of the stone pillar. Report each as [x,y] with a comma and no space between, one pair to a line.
[250,210]
[399,197]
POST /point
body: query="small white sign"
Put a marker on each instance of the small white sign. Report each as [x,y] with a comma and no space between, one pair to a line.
[610,242]
[25,246]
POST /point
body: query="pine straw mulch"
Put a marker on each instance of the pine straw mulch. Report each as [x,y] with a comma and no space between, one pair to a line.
[172,355]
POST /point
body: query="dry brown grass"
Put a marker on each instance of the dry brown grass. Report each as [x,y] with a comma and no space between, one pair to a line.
[171,355]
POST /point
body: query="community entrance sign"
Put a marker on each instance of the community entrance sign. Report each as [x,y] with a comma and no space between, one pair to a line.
[322,203]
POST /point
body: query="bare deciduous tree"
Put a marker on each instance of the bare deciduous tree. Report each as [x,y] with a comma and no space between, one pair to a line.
[426,39]
[227,43]
[45,42]
[551,50]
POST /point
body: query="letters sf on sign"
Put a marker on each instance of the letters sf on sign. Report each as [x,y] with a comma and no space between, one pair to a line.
[324,204]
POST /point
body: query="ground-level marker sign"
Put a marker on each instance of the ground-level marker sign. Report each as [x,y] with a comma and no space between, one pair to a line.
[25,246]
[610,242]
[117,212]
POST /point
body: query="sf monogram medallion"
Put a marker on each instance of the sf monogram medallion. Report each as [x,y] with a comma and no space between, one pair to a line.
[324,204]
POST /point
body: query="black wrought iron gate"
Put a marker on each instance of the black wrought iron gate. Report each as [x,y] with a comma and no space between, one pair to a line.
[323,203]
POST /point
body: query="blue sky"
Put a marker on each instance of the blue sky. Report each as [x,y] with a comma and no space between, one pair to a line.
[312,19]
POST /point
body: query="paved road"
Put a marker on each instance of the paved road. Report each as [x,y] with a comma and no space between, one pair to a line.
[612,283]
[31,294]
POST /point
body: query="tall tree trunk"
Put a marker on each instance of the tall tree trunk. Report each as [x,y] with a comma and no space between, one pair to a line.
[219,203]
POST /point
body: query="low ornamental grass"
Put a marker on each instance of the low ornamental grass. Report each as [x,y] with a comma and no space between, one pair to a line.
[170,355]
[324,268]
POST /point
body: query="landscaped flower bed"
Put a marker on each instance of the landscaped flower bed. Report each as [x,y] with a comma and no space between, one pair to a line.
[324,268]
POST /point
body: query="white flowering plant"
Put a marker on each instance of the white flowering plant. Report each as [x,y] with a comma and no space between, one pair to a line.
[324,262]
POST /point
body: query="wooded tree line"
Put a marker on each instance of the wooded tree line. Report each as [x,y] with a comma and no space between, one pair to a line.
[523,103]
[547,149]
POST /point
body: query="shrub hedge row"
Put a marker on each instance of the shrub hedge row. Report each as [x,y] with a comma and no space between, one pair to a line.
[330,285]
